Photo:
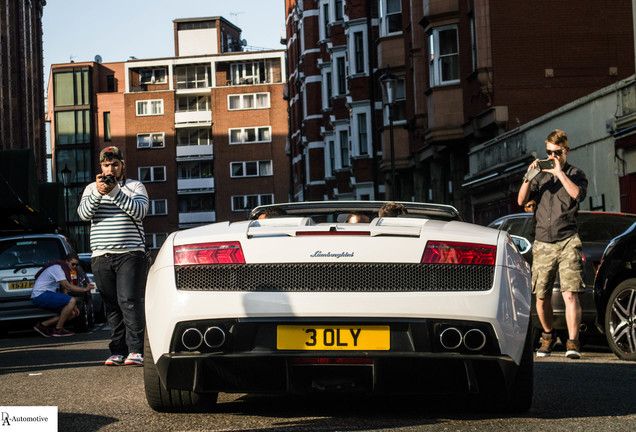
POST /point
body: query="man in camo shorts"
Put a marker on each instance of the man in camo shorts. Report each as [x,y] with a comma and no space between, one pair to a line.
[557,246]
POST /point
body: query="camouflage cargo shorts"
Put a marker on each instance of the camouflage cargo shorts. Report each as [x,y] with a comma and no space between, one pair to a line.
[566,257]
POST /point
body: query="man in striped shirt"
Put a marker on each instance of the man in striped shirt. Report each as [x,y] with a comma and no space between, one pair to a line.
[116,206]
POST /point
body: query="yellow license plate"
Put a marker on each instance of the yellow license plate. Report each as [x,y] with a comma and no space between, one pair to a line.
[21,285]
[329,337]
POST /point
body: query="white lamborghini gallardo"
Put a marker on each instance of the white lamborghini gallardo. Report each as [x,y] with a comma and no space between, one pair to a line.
[308,303]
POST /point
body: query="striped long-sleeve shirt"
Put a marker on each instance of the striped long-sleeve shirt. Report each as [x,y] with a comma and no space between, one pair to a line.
[112,229]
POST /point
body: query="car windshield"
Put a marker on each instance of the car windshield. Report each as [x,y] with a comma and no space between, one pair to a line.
[29,252]
[603,227]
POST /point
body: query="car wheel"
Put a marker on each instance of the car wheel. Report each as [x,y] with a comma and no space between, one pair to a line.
[620,320]
[512,395]
[519,398]
[165,400]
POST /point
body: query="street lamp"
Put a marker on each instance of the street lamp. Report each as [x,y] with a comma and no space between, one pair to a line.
[389,87]
[66,180]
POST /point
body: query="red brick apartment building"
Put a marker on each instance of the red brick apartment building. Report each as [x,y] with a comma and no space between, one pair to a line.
[467,70]
[334,97]
[205,130]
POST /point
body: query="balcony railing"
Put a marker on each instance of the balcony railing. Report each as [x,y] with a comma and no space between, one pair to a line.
[189,118]
[206,184]
[195,151]
[197,217]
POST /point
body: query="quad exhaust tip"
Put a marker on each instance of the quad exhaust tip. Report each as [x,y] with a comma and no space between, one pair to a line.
[474,339]
[214,337]
[452,338]
[192,338]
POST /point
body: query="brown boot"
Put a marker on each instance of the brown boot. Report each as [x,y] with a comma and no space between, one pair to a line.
[573,349]
[547,343]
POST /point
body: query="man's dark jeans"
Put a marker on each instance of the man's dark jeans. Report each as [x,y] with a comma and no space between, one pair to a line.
[121,280]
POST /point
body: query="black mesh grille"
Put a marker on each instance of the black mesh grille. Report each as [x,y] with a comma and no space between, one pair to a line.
[335,277]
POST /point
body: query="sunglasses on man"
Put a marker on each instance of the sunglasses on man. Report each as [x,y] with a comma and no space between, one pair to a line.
[557,153]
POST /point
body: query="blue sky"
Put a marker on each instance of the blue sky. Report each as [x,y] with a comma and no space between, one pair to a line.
[118,29]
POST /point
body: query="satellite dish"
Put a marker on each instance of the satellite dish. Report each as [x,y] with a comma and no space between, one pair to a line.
[98,58]
[243,42]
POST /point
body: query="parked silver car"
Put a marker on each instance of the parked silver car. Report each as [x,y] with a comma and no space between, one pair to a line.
[21,257]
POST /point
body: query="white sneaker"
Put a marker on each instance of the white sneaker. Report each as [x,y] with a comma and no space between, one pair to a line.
[134,359]
[115,360]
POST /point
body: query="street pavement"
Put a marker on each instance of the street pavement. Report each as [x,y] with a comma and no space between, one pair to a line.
[597,392]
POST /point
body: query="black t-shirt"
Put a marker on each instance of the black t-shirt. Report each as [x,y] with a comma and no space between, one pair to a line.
[556,210]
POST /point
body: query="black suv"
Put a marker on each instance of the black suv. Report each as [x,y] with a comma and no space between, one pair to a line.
[615,294]
[596,230]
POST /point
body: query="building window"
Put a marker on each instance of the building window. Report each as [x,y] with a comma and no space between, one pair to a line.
[325,19]
[195,170]
[343,136]
[153,76]
[151,140]
[193,103]
[338,11]
[399,107]
[71,88]
[193,76]
[158,207]
[326,87]
[444,56]
[250,135]
[193,203]
[358,46]
[72,127]
[363,134]
[250,72]
[251,169]
[331,158]
[473,43]
[248,101]
[391,17]
[107,134]
[195,25]
[150,107]
[341,76]
[194,136]
[155,240]
[152,174]
[77,160]
[248,202]
[111,84]
[329,89]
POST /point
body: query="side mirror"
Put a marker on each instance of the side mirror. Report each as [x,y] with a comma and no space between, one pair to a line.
[523,245]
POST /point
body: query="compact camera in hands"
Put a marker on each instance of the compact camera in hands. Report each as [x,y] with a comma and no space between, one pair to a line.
[109,179]
[546,164]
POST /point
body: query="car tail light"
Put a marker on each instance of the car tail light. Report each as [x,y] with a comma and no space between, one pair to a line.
[209,253]
[439,252]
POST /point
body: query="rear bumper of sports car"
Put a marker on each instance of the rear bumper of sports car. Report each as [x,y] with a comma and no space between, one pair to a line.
[248,361]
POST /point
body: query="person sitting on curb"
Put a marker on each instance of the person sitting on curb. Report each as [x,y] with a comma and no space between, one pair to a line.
[52,283]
